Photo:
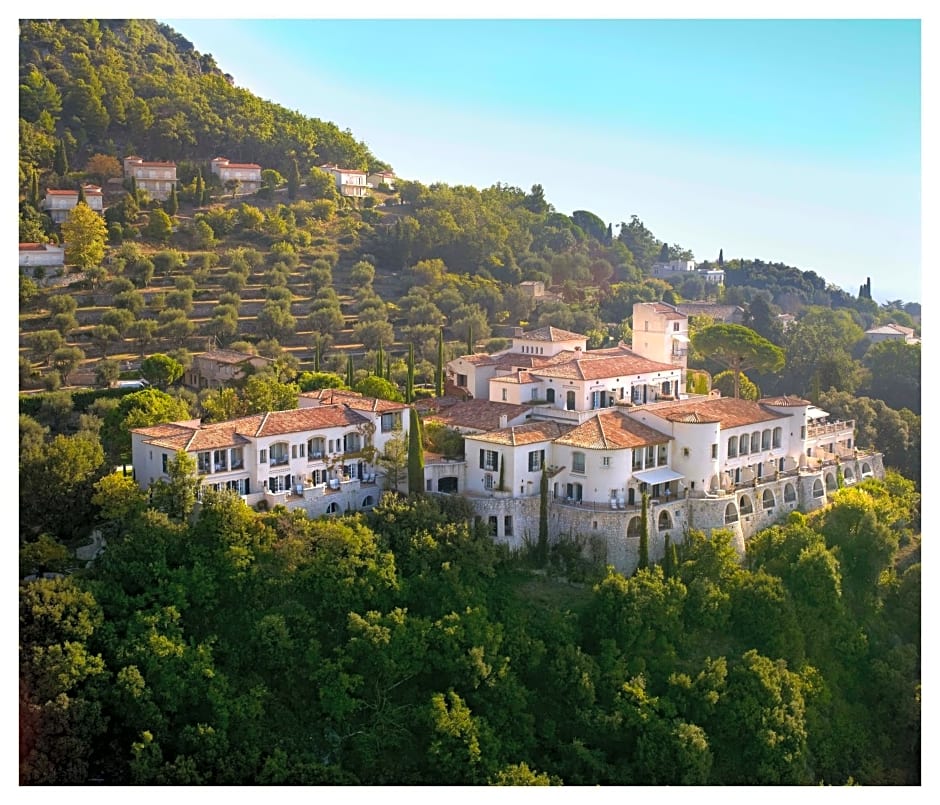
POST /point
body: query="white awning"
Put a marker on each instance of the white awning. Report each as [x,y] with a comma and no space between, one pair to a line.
[684,339]
[660,475]
[816,413]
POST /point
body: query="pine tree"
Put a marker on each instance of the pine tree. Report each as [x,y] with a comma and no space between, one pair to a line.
[644,559]
[172,203]
[415,454]
[60,162]
[439,370]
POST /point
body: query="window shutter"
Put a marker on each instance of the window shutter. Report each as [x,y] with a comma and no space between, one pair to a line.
[482,458]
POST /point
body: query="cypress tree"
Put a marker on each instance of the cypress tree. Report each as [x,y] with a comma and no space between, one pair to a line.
[134,189]
[350,377]
[388,366]
[81,195]
[60,162]
[34,199]
[721,258]
[669,568]
[316,357]
[379,362]
[415,454]
[469,339]
[644,560]
[293,179]
[205,196]
[197,190]
[410,385]
[502,473]
[172,203]
[439,371]
[543,518]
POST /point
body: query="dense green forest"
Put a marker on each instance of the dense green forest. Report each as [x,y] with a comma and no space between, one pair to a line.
[405,647]
[223,645]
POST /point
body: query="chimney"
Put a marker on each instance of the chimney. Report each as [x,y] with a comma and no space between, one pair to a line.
[503,421]
[516,332]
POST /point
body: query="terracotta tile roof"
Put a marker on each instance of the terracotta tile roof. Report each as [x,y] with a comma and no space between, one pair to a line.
[276,423]
[35,247]
[354,400]
[662,309]
[478,414]
[337,169]
[587,368]
[229,356]
[731,413]
[518,435]
[552,334]
[143,164]
[890,329]
[612,430]
[89,191]
[517,378]
[432,404]
[225,163]
[479,359]
[785,401]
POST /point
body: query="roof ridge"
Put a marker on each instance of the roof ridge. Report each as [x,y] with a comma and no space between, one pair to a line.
[600,424]
[264,420]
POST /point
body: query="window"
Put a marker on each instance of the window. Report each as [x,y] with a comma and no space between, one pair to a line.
[302,447]
[605,462]
[535,394]
[650,456]
[637,459]
[219,463]
[428,485]
[352,443]
[494,526]
[487,481]
[675,327]
[715,451]
[505,395]
[279,453]
[204,462]
[164,462]
[803,431]
[507,525]
[391,422]
[536,459]
[315,448]
[262,456]
[550,395]
[765,440]
[569,401]
[769,502]
[755,442]
[743,447]
[462,380]
[661,455]
[577,462]
[236,458]
[777,435]
[293,451]
[746,505]
[489,460]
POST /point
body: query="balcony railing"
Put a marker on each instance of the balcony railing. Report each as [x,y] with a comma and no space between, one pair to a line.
[831,427]
[278,461]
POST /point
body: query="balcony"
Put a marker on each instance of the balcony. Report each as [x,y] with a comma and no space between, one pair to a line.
[847,427]
[279,461]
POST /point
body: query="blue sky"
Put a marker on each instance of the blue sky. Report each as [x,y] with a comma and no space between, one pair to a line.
[789,140]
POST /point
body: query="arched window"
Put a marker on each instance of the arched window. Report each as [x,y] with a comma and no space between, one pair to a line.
[333,508]
[831,484]
[849,475]
[755,441]
[769,501]
[789,493]
[633,528]
[665,521]
[732,446]
[746,506]
[744,448]
[316,448]
[778,436]
[368,501]
[550,395]
[817,488]
[866,470]
[666,387]
[279,453]
[731,513]
[765,440]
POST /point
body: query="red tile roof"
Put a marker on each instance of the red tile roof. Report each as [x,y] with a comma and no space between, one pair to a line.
[612,430]
[785,401]
[354,400]
[478,414]
[229,356]
[552,334]
[518,435]
[728,411]
[588,368]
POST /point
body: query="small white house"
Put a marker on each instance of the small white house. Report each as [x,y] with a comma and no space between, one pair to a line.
[247,174]
[41,254]
[157,178]
[59,203]
[381,177]
[350,183]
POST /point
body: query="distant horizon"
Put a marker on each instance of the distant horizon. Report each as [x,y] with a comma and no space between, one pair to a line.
[788,141]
